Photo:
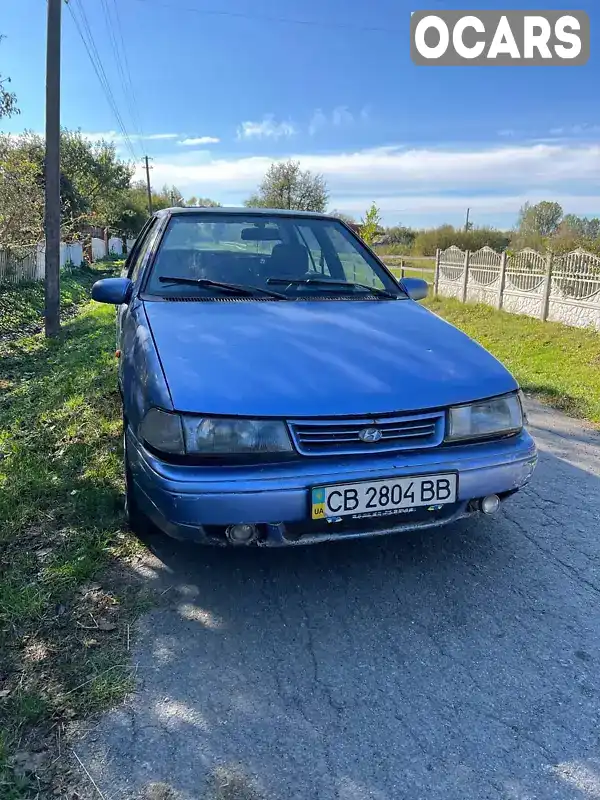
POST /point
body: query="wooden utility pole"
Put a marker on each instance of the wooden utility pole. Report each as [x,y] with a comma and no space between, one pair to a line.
[148,186]
[52,172]
[467,223]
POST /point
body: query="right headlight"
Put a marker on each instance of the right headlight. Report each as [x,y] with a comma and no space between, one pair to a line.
[500,416]
[216,436]
[187,435]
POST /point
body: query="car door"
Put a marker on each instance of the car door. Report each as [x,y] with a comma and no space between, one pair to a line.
[126,313]
[132,268]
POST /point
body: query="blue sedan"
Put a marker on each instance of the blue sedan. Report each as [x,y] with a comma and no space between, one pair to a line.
[281,387]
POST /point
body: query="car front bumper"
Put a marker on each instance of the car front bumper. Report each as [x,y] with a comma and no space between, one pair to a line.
[198,503]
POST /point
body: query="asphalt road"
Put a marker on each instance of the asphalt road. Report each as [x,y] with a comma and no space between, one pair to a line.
[460,663]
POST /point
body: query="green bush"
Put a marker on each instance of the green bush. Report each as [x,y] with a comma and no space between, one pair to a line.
[427,241]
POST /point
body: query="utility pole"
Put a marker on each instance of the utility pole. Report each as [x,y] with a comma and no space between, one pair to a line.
[52,173]
[467,223]
[148,185]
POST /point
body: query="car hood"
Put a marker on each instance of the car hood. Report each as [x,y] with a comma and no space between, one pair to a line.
[317,358]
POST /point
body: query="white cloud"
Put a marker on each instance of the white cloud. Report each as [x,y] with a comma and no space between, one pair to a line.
[267,128]
[419,168]
[199,140]
[479,204]
[506,133]
[119,138]
[158,136]
[400,179]
[341,116]
[318,121]
[575,130]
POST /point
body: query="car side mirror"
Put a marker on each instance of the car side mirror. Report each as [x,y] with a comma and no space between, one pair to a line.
[115,291]
[415,288]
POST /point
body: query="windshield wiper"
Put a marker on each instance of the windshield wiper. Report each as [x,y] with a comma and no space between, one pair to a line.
[383,293]
[233,288]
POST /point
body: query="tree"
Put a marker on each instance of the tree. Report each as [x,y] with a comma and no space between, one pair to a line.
[541,219]
[573,224]
[8,100]
[347,218]
[287,186]
[21,197]
[202,202]
[370,224]
[580,227]
[173,195]
[92,178]
[131,213]
[400,236]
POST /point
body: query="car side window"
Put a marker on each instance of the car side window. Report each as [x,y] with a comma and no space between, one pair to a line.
[353,262]
[318,262]
[138,259]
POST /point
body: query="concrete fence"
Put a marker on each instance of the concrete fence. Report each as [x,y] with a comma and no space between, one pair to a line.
[16,269]
[558,288]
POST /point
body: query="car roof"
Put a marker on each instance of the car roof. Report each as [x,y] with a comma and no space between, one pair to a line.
[242,210]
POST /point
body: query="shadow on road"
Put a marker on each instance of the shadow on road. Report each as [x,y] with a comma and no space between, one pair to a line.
[458,663]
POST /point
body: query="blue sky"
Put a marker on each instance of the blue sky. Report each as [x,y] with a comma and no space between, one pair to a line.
[218,96]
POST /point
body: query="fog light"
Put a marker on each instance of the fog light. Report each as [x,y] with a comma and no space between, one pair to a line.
[241,534]
[490,504]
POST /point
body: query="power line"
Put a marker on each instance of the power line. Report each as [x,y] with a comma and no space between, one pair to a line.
[104,80]
[269,18]
[114,26]
[134,106]
[117,55]
[96,61]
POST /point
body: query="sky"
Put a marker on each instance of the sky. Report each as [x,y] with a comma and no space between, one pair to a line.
[215,90]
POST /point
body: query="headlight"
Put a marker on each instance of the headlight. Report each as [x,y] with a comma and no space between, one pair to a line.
[163,431]
[498,417]
[235,436]
[181,434]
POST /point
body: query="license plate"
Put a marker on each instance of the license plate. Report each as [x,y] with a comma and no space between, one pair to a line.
[375,497]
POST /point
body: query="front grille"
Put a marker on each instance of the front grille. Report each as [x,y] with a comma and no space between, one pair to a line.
[341,436]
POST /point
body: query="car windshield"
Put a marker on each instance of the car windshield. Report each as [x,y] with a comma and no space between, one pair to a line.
[317,256]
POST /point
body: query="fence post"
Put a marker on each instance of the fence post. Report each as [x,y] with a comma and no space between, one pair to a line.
[503,260]
[465,277]
[402,269]
[436,272]
[547,286]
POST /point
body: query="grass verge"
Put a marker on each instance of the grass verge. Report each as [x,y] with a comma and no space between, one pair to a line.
[413,268]
[557,363]
[22,306]
[67,597]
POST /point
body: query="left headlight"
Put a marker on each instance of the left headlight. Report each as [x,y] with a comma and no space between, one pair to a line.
[209,435]
[501,416]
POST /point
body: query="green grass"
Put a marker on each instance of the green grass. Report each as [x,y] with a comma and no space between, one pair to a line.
[413,268]
[22,306]
[557,363]
[62,645]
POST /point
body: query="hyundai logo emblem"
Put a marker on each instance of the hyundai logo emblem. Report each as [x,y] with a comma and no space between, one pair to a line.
[370,435]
